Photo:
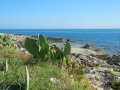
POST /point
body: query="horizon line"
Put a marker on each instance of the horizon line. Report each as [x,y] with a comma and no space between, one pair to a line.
[59,28]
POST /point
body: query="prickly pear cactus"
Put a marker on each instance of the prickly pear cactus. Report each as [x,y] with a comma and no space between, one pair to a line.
[51,53]
[41,39]
[31,46]
[44,49]
[42,53]
[45,46]
[67,49]
[58,54]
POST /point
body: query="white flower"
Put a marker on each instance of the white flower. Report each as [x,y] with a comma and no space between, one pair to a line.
[53,80]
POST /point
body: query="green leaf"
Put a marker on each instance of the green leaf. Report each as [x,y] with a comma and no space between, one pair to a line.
[45,47]
[42,53]
[52,55]
[79,71]
[73,65]
[41,39]
[67,49]
[58,54]
[31,46]
[44,50]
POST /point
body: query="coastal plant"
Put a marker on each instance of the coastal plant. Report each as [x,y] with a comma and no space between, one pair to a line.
[3,65]
[6,64]
[39,49]
[113,74]
[39,78]
[10,80]
[96,69]
[60,54]
[5,40]
[26,78]
[116,85]
[15,64]
[73,82]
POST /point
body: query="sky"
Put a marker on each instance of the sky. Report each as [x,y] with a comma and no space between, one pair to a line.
[59,14]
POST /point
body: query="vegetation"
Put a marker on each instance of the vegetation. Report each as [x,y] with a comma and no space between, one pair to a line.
[112,73]
[116,86]
[5,41]
[43,70]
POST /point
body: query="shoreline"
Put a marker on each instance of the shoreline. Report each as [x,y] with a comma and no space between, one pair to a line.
[103,39]
[59,42]
[81,43]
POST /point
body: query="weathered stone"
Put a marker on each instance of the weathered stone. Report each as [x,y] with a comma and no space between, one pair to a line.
[22,49]
[108,75]
[88,46]
[100,89]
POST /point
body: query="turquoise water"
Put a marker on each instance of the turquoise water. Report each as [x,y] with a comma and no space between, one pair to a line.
[105,39]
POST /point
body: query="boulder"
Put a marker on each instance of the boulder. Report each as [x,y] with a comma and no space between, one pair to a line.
[114,60]
[88,46]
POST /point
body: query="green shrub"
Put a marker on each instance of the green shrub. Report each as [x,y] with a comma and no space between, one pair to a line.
[116,86]
[112,73]
[5,41]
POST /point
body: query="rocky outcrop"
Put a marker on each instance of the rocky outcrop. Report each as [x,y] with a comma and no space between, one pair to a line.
[51,39]
[101,79]
[87,61]
[54,47]
[96,70]
[88,46]
[114,60]
[89,52]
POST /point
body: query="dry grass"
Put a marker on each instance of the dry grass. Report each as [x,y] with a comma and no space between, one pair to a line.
[10,52]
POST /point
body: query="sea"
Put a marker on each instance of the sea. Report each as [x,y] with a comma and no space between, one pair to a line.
[107,40]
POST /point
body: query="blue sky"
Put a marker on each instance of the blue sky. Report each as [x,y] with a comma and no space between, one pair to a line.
[40,14]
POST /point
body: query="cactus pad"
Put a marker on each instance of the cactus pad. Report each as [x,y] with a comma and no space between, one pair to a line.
[31,46]
[67,49]
[41,39]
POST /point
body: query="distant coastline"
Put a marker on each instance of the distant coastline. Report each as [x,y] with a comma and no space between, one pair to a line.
[105,39]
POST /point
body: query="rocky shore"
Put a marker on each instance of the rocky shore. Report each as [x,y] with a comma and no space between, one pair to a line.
[101,70]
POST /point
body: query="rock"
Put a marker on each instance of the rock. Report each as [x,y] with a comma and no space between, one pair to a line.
[87,60]
[90,76]
[108,75]
[68,40]
[88,46]
[54,47]
[100,79]
[117,63]
[88,52]
[16,46]
[114,60]
[100,89]
[22,49]
[95,70]
[115,80]
[74,54]
[26,52]
[51,39]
